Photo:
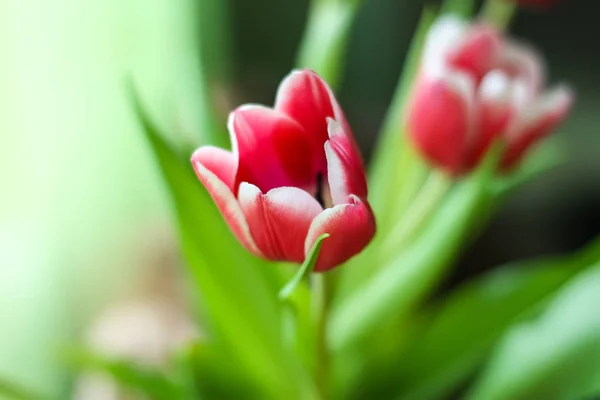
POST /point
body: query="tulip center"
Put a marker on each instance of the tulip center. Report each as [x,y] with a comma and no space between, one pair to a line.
[322,193]
[319,195]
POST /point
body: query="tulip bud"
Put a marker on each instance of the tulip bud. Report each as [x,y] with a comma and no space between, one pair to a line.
[476,86]
[294,174]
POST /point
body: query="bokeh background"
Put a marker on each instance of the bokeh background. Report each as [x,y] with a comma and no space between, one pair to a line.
[84,219]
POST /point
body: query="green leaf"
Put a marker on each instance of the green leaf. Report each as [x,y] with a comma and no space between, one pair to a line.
[12,391]
[399,286]
[323,46]
[462,8]
[215,375]
[397,171]
[498,13]
[457,332]
[305,270]
[549,155]
[556,356]
[143,379]
[392,159]
[238,292]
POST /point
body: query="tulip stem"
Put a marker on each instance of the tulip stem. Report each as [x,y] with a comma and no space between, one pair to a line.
[325,38]
[321,306]
[498,13]
[425,202]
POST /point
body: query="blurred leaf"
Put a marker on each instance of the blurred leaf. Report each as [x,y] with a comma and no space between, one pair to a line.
[399,286]
[306,268]
[556,356]
[215,375]
[397,171]
[143,379]
[498,13]
[214,67]
[184,371]
[549,155]
[11,391]
[462,8]
[458,332]
[392,158]
[215,38]
[238,291]
[323,46]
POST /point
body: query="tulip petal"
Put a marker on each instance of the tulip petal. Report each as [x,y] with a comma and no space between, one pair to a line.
[494,108]
[279,220]
[443,36]
[220,162]
[535,122]
[273,149]
[345,170]
[477,53]
[522,62]
[440,118]
[228,206]
[306,97]
[351,227]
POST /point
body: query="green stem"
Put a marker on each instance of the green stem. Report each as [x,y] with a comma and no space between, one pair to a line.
[321,307]
[324,43]
[498,13]
[400,285]
[396,169]
[418,213]
[391,151]
[14,391]
[215,39]
[462,8]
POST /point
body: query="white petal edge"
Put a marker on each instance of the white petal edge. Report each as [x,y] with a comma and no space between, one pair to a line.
[228,206]
[446,34]
[553,101]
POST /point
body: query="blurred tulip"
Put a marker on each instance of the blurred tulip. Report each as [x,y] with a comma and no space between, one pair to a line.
[475,86]
[297,174]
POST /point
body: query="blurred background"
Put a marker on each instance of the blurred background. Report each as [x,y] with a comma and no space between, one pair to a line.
[84,220]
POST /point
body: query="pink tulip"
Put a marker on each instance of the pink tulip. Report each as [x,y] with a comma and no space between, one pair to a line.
[476,86]
[294,174]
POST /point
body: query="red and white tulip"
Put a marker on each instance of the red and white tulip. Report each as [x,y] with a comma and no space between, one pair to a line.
[294,173]
[474,86]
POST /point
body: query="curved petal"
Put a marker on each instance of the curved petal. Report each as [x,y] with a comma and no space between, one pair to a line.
[273,149]
[494,109]
[220,162]
[228,206]
[442,37]
[306,97]
[535,122]
[279,220]
[345,170]
[351,227]
[477,53]
[440,118]
[522,62]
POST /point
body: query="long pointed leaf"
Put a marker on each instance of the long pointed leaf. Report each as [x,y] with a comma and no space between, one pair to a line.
[557,356]
[454,338]
[240,303]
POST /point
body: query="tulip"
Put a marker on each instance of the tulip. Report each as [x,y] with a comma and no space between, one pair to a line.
[476,86]
[294,173]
